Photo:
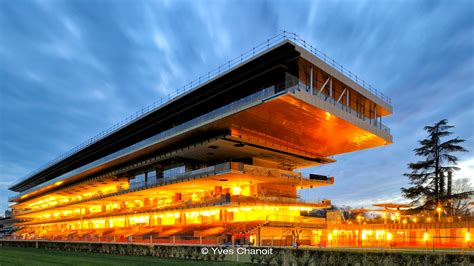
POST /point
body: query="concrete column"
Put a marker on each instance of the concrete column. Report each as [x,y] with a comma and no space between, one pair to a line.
[127,222]
[159,172]
[359,238]
[375,115]
[258,236]
[348,100]
[222,215]
[330,88]
[146,202]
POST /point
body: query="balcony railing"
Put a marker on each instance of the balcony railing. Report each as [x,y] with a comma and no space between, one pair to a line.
[300,87]
[188,204]
[205,202]
[225,167]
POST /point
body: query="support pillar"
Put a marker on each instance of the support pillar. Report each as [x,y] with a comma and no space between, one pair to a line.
[258,237]
[159,172]
[359,238]
[348,101]
[127,222]
[217,190]
[311,89]
[330,88]
[146,202]
[222,215]
[375,115]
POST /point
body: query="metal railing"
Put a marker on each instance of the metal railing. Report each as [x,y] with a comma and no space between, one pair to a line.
[323,56]
[205,202]
[224,167]
[134,186]
[373,122]
[250,54]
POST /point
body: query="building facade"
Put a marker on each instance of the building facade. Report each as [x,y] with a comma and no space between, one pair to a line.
[216,163]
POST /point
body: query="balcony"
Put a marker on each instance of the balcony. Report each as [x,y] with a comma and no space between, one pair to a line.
[301,88]
[223,168]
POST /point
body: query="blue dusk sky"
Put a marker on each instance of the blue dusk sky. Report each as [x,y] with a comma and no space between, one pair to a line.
[70,69]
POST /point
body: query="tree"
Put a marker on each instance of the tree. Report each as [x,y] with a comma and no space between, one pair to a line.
[346,213]
[461,205]
[427,176]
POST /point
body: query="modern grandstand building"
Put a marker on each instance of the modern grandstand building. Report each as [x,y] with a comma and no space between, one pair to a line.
[217,162]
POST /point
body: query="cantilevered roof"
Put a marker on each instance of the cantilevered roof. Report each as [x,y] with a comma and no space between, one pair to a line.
[244,76]
[211,95]
[290,127]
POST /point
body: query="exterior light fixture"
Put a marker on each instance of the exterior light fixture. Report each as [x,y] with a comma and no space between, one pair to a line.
[425,236]
[439,213]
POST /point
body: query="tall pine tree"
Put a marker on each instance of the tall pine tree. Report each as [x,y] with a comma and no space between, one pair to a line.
[427,176]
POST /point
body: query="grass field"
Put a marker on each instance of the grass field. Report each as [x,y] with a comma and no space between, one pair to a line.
[31,256]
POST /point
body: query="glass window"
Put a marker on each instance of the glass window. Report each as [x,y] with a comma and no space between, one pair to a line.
[172,172]
[151,177]
[137,180]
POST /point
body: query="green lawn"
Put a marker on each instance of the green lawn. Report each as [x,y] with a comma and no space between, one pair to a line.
[31,256]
